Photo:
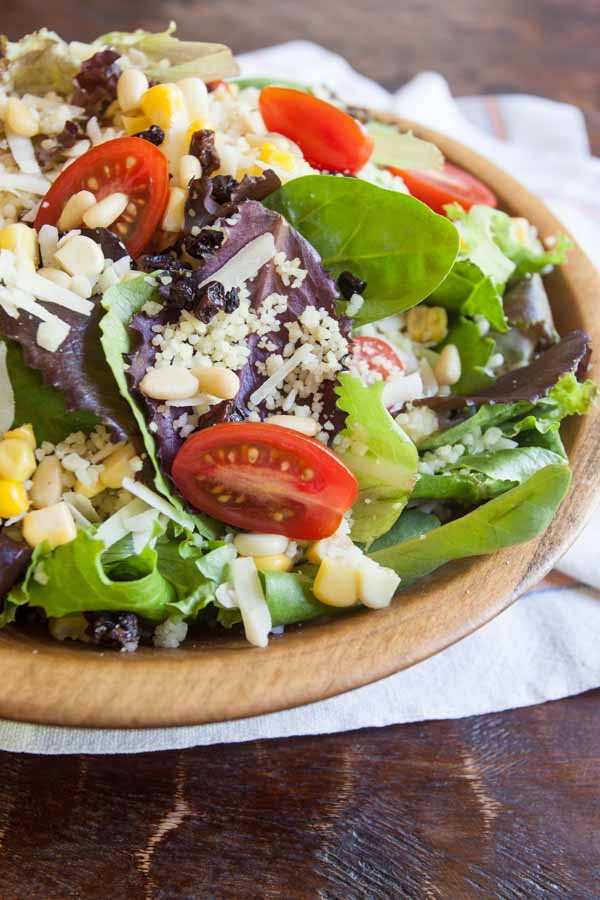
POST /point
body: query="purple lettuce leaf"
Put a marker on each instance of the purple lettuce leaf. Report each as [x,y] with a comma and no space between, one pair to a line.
[530,382]
[14,559]
[78,368]
[210,199]
[527,308]
[317,289]
[95,86]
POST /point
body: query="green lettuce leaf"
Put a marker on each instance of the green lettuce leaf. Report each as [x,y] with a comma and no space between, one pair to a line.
[41,405]
[402,149]
[469,292]
[485,417]
[121,302]
[194,574]
[466,488]
[76,580]
[517,516]
[394,242]
[493,241]
[169,59]
[379,453]
[38,63]
[410,524]
[475,351]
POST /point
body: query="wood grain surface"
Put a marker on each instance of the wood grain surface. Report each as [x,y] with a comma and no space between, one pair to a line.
[501,806]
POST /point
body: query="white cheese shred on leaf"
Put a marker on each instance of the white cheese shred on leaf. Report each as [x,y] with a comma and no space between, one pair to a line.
[246,264]
[7,396]
[151,498]
[287,366]
[253,606]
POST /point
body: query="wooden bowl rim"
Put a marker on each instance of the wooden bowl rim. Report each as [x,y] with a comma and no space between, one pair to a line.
[47,682]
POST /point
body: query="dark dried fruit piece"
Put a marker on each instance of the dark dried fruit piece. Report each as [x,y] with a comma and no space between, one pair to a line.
[209,301]
[204,244]
[120,630]
[210,199]
[202,146]
[14,559]
[154,135]
[95,87]
[350,284]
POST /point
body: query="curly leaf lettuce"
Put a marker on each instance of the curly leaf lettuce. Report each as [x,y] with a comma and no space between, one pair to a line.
[504,247]
[400,247]
[520,515]
[379,453]
[74,578]
[169,59]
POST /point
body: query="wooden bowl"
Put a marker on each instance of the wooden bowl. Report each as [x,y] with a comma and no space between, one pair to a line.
[224,678]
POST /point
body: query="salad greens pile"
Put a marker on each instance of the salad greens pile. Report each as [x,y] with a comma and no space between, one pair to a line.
[489,471]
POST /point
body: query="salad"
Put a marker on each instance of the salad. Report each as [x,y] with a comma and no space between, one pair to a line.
[263,358]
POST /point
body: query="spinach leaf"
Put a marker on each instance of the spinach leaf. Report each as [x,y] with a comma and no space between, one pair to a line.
[392,241]
[469,292]
[519,515]
[467,488]
[410,524]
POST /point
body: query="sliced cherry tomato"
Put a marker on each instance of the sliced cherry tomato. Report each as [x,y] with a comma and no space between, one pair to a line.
[129,165]
[328,137]
[378,355]
[448,185]
[265,478]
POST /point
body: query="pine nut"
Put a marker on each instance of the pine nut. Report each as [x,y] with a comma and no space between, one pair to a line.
[195,97]
[257,544]
[189,167]
[20,119]
[106,211]
[132,84]
[217,381]
[74,208]
[174,213]
[60,278]
[169,383]
[447,369]
[80,255]
[46,488]
[304,424]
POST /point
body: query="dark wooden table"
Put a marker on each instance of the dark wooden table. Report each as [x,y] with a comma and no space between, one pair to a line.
[501,806]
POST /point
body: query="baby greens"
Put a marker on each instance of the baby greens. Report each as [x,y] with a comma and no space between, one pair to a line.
[395,243]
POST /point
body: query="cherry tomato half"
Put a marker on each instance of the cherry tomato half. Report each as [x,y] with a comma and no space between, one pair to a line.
[128,165]
[265,478]
[378,355]
[448,185]
[329,138]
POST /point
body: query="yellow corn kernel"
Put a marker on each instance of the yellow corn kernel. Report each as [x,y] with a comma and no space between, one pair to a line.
[118,466]
[252,172]
[135,124]
[196,125]
[13,499]
[312,554]
[427,324]
[164,106]
[22,433]
[22,240]
[337,583]
[278,563]
[53,524]
[338,546]
[269,153]
[521,227]
[89,490]
[17,462]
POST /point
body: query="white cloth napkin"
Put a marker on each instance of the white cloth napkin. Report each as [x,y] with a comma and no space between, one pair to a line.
[545,646]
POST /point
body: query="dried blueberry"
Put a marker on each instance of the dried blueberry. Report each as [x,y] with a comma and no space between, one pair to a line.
[350,284]
[209,301]
[232,300]
[120,629]
[154,135]
[202,146]
[204,244]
